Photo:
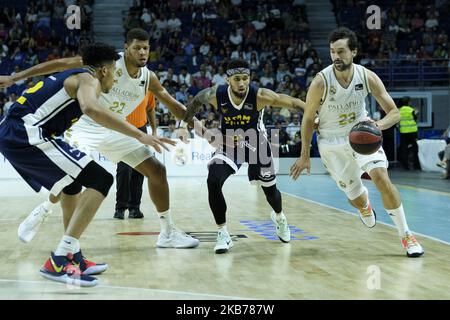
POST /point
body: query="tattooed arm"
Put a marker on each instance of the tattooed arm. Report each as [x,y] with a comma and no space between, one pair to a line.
[205,96]
[267,97]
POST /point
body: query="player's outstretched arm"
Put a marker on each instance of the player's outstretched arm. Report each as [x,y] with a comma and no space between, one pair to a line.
[42,69]
[307,127]
[267,97]
[384,100]
[87,90]
[175,107]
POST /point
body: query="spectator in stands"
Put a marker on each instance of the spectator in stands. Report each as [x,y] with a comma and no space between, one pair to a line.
[254,62]
[202,80]
[3,49]
[184,77]
[294,126]
[146,19]
[174,24]
[12,99]
[235,37]
[204,48]
[171,132]
[43,17]
[181,94]
[219,77]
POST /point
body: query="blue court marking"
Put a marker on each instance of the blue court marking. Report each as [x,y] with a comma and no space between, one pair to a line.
[266,228]
[427,211]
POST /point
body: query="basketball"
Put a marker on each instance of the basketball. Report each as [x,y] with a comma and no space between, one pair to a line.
[365,138]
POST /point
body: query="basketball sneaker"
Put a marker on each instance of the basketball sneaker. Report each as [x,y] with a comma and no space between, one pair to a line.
[176,239]
[283,231]
[224,242]
[88,267]
[29,227]
[61,269]
[368,216]
[413,248]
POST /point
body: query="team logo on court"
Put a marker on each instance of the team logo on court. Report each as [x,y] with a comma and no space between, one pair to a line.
[332,90]
[342,184]
[180,157]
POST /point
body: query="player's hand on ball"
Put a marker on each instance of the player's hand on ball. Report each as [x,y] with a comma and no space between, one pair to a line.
[301,164]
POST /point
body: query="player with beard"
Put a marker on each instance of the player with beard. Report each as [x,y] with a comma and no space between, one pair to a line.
[132,81]
[241,107]
[338,95]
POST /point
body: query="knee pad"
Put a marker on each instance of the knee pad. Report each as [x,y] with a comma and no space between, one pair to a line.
[95,177]
[73,188]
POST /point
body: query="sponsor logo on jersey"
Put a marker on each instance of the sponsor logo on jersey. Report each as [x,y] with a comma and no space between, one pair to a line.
[248,107]
[359,86]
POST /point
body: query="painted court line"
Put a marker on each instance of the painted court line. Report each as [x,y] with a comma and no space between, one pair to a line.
[192,294]
[355,214]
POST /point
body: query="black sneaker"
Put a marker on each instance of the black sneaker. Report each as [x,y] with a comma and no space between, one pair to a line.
[119,214]
[135,214]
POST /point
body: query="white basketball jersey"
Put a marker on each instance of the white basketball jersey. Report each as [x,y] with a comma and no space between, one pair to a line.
[342,108]
[127,92]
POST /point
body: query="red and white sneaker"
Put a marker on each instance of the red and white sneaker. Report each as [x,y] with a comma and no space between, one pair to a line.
[413,248]
[368,216]
[61,269]
[88,267]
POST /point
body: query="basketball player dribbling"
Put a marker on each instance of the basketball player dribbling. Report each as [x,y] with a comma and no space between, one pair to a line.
[338,95]
[29,140]
[241,107]
[132,80]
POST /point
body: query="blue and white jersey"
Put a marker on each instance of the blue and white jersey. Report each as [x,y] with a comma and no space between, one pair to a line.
[47,105]
[29,135]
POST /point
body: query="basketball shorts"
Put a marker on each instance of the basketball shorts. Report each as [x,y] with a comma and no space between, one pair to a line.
[261,169]
[41,160]
[89,136]
[346,166]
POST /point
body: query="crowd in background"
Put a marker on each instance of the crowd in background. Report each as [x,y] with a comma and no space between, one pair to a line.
[192,42]
[410,30]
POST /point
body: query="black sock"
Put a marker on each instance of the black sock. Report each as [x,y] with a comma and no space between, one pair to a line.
[218,174]
[273,196]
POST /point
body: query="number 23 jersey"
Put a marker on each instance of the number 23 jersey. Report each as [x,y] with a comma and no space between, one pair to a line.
[341,108]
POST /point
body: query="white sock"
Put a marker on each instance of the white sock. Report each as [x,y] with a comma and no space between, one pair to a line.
[280,216]
[398,216]
[67,245]
[50,206]
[222,228]
[165,220]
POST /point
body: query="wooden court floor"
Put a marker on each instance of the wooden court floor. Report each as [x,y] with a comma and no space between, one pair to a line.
[332,255]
